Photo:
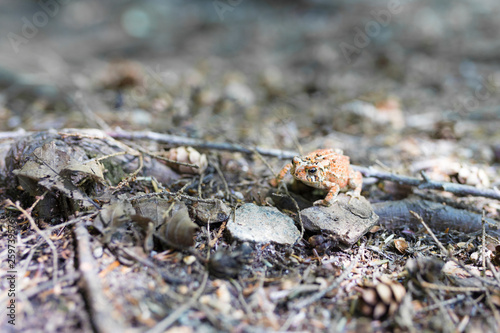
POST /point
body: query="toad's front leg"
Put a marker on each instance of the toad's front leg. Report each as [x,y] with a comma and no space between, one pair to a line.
[274,182]
[331,196]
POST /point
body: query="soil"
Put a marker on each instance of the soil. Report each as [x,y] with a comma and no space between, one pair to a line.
[100,233]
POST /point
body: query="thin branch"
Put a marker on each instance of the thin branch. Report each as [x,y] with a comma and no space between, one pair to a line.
[429,231]
[221,176]
[445,314]
[299,215]
[433,286]
[173,194]
[99,306]
[493,309]
[97,159]
[159,157]
[427,183]
[432,307]
[68,277]
[183,141]
[243,303]
[27,215]
[449,255]
[493,270]
[266,163]
[130,177]
[212,242]
[80,101]
[483,242]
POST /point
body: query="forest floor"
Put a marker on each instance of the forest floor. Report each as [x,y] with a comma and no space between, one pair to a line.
[101,229]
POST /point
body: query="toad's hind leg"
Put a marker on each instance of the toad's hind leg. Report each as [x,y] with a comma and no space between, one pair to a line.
[355,183]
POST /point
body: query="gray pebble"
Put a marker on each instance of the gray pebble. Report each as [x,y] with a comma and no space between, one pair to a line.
[262,225]
[346,222]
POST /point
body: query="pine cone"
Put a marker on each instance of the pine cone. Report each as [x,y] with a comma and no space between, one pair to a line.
[381,299]
[187,155]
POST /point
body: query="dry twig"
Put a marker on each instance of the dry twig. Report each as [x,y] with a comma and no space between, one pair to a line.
[449,255]
[451,301]
[427,183]
[483,241]
[287,195]
[27,215]
[131,176]
[102,321]
[221,175]
[173,194]
[429,231]
[158,157]
[183,141]
[434,286]
[212,242]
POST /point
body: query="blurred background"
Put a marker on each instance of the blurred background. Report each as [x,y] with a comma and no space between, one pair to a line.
[271,73]
[403,85]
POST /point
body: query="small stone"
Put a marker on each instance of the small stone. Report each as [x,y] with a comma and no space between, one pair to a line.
[239,92]
[386,114]
[262,225]
[208,212]
[183,290]
[346,222]
[189,260]
[141,117]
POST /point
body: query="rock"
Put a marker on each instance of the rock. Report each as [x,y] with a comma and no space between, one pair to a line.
[343,221]
[208,212]
[154,208]
[262,225]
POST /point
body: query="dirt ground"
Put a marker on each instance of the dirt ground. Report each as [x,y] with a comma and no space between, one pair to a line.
[99,232]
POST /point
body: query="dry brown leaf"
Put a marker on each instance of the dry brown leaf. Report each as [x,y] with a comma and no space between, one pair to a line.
[401,245]
[178,231]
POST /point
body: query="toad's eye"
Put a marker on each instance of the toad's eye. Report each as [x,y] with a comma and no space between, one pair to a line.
[312,171]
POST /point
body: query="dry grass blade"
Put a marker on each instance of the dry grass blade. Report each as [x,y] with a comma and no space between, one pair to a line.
[335,284]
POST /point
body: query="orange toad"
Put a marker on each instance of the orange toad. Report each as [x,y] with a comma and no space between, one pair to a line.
[326,169]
